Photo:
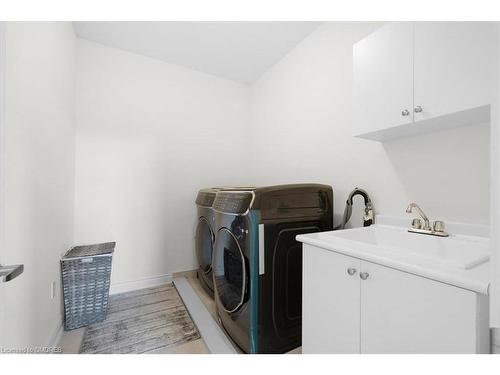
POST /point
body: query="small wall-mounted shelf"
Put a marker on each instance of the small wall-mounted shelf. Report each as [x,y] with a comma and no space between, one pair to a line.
[472,116]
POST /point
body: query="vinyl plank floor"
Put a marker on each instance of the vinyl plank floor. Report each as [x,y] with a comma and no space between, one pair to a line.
[141,312]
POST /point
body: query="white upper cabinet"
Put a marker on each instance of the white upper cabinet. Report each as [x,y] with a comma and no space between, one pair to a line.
[443,73]
[383,79]
[452,62]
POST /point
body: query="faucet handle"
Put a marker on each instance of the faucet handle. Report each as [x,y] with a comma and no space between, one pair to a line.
[416,223]
[438,226]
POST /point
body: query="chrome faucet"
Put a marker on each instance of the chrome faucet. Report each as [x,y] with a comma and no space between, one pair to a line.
[416,226]
[409,209]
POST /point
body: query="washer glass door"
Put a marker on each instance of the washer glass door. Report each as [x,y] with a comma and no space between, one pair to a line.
[229,271]
[204,244]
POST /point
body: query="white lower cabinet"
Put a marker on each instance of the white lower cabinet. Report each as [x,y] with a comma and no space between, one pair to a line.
[322,304]
[354,306]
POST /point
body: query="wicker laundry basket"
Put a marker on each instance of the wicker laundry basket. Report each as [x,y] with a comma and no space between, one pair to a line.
[86,272]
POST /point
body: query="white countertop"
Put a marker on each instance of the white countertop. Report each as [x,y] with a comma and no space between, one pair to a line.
[457,260]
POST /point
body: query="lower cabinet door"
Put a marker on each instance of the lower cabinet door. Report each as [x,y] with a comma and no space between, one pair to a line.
[330,302]
[404,313]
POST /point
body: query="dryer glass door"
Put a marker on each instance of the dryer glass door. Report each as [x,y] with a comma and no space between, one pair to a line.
[229,271]
[204,244]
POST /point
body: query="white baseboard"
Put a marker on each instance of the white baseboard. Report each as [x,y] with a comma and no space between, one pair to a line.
[150,282]
[55,336]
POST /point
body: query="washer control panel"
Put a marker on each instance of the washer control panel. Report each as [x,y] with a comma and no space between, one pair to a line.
[237,203]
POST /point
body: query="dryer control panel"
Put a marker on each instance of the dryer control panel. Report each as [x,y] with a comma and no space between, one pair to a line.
[237,203]
[205,198]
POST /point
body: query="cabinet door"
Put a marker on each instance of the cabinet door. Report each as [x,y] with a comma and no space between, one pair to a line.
[454,66]
[330,302]
[404,313]
[383,79]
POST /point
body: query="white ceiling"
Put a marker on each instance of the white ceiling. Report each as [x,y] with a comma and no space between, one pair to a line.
[240,51]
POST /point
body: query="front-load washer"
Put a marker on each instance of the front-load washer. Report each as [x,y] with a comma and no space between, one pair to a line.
[205,234]
[257,263]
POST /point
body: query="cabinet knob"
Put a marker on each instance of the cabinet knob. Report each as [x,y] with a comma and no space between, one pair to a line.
[351,271]
[405,112]
[418,109]
[364,275]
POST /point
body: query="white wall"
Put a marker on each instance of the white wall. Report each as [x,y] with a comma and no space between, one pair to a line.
[38,176]
[302,132]
[149,135]
[495,216]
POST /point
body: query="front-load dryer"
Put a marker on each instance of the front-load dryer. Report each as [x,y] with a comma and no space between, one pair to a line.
[257,263]
[205,237]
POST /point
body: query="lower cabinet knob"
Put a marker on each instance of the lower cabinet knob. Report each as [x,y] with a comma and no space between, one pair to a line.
[351,271]
[405,112]
[364,275]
